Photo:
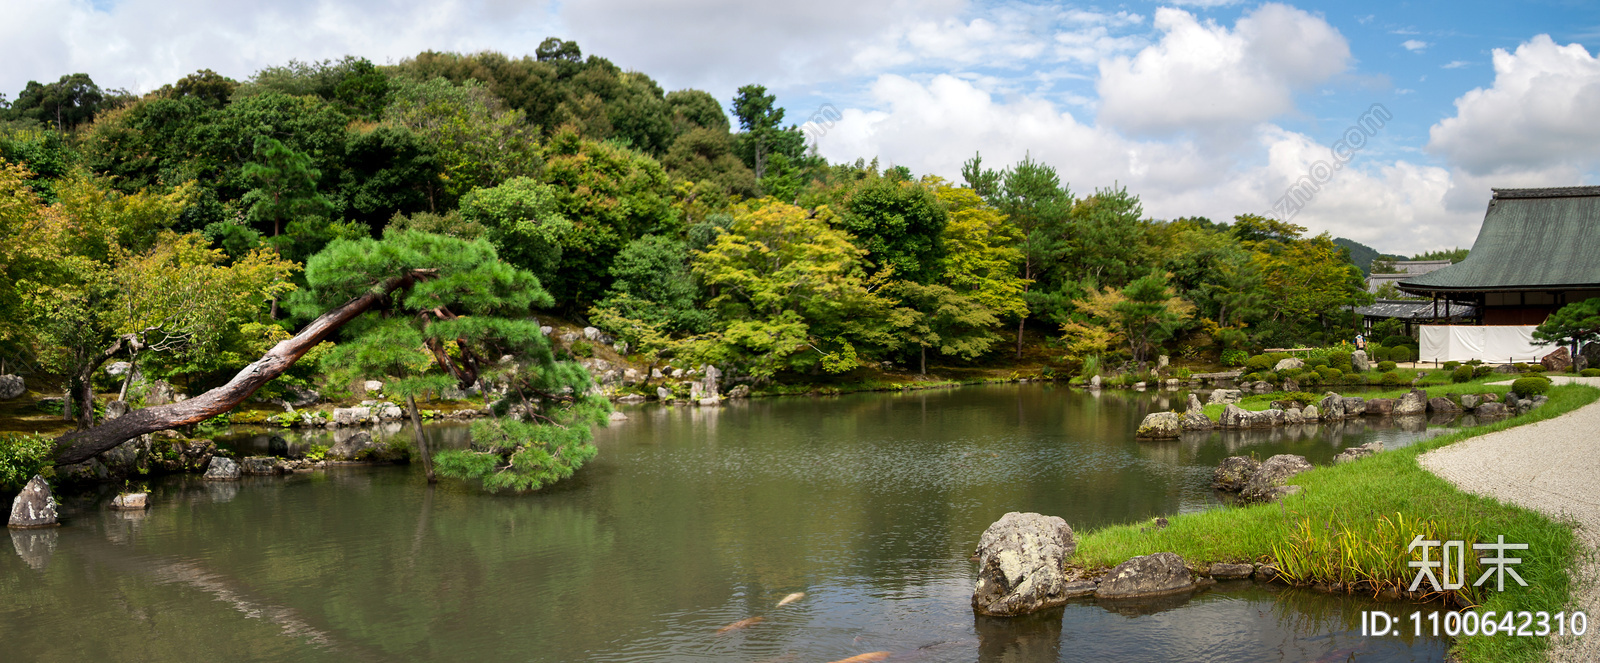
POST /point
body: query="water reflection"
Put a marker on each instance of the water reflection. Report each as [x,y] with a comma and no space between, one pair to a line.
[689,520]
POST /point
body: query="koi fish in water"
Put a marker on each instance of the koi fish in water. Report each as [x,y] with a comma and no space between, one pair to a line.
[867,657]
[743,623]
[791,598]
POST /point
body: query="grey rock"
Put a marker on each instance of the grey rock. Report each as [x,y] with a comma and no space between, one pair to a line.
[1194,402]
[1310,413]
[116,409]
[1590,354]
[1079,588]
[278,446]
[300,397]
[1469,401]
[12,386]
[1293,416]
[373,385]
[631,376]
[617,415]
[1094,381]
[739,391]
[159,393]
[1288,364]
[1160,425]
[1233,417]
[1360,362]
[361,447]
[663,394]
[1354,453]
[351,416]
[1276,494]
[546,329]
[1196,419]
[1442,405]
[710,400]
[182,455]
[1354,406]
[1234,473]
[568,337]
[1414,402]
[35,506]
[1225,396]
[1147,575]
[391,413]
[118,368]
[1380,407]
[1290,384]
[1508,369]
[129,458]
[258,466]
[656,374]
[695,392]
[1162,361]
[1272,473]
[1224,571]
[1332,406]
[130,502]
[677,373]
[1022,564]
[222,469]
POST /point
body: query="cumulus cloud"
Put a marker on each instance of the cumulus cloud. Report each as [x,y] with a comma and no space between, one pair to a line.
[1539,116]
[1205,77]
[933,127]
[1413,45]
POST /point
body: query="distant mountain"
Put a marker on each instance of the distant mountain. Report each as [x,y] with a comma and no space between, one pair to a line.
[1363,255]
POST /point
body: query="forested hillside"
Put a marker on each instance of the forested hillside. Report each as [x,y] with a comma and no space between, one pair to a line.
[170,228]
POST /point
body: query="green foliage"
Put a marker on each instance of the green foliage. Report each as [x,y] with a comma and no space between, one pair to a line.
[1386,366]
[1461,374]
[582,349]
[652,283]
[1574,324]
[509,454]
[1234,357]
[1401,353]
[1453,255]
[1451,365]
[1531,386]
[1481,371]
[1391,379]
[523,220]
[64,104]
[478,142]
[899,224]
[21,457]
[1395,340]
[1590,372]
[1260,363]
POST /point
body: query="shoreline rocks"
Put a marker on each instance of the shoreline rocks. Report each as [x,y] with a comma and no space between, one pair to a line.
[1266,484]
[1160,425]
[1146,575]
[1022,565]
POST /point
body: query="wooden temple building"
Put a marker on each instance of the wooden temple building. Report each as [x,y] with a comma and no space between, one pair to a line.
[1538,250]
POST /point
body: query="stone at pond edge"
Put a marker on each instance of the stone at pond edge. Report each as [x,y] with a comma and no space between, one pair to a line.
[1354,406]
[1157,425]
[222,469]
[130,502]
[1380,406]
[1309,413]
[1197,420]
[35,506]
[1234,472]
[1443,405]
[1469,401]
[1413,402]
[1271,475]
[1224,571]
[618,416]
[1225,396]
[1332,406]
[1021,564]
[1147,575]
[1354,453]
[11,386]
[361,446]
[1491,409]
[261,465]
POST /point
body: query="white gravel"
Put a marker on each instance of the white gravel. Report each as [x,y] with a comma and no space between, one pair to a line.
[1552,467]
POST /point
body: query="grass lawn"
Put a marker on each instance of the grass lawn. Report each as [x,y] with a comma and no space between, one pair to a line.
[1351,524]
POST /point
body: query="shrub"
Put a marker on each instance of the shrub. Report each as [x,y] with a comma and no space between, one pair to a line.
[1400,353]
[1339,359]
[582,349]
[1386,366]
[1451,365]
[1301,397]
[1461,374]
[1391,379]
[1482,370]
[1397,340]
[1590,372]
[1234,357]
[1317,362]
[1260,363]
[1531,386]
[21,457]
[1310,379]
[1329,373]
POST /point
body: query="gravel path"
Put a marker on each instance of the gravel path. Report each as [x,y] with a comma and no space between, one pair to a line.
[1552,467]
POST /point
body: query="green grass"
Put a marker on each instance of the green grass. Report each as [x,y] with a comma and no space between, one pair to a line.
[1351,524]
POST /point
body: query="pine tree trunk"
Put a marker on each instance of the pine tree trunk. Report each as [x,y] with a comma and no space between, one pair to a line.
[924,360]
[422,439]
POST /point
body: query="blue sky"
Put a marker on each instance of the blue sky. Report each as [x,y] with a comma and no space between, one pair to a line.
[1201,108]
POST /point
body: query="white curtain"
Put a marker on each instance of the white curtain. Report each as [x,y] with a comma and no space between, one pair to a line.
[1493,344]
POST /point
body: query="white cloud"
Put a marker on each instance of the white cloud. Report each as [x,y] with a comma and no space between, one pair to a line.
[1202,76]
[1455,64]
[1413,45]
[1539,114]
[933,127]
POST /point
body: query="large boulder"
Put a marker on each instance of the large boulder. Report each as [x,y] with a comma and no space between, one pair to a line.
[1559,361]
[739,391]
[1491,409]
[1360,362]
[1413,402]
[1332,406]
[1442,405]
[258,466]
[1288,364]
[222,469]
[351,416]
[1226,395]
[1354,406]
[1233,417]
[11,386]
[1264,485]
[1147,575]
[1380,407]
[1309,413]
[1159,425]
[1591,354]
[1354,453]
[182,455]
[1022,564]
[1234,473]
[35,506]
[361,447]
[159,393]
[1194,402]
[1469,401]
[130,502]
[1197,420]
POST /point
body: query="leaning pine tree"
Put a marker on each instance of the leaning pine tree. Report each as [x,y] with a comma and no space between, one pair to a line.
[444,311]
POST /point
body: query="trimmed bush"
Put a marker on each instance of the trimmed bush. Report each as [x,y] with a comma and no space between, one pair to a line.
[1482,370]
[1317,362]
[1590,372]
[1397,339]
[1341,360]
[1451,365]
[1531,386]
[1391,379]
[1386,366]
[1400,353]
[1259,363]
[1234,357]
[1461,374]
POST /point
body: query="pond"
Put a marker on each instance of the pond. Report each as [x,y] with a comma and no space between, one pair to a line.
[689,520]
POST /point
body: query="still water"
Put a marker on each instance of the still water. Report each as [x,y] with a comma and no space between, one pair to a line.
[690,519]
